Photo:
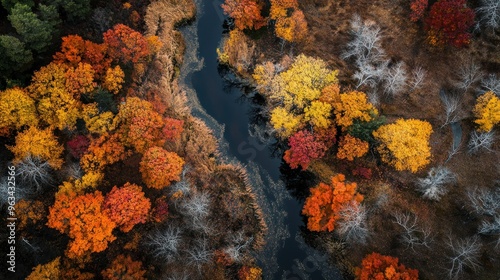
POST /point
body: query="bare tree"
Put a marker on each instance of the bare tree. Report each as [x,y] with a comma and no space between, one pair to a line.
[166,244]
[464,253]
[489,13]
[485,201]
[395,79]
[34,173]
[468,73]
[490,228]
[369,74]
[418,77]
[199,254]
[491,83]
[434,185]
[413,234]
[196,209]
[366,43]
[451,104]
[238,243]
[481,141]
[352,225]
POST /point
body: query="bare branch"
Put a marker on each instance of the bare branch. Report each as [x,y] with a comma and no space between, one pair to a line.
[468,73]
[395,79]
[413,234]
[489,13]
[464,253]
[491,83]
[352,225]
[481,141]
[418,77]
[434,185]
[484,201]
[451,104]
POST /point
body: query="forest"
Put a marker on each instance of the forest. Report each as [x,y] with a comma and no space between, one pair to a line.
[383,114]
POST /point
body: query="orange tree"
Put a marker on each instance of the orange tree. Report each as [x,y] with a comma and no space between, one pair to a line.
[124,268]
[487,111]
[405,144]
[351,147]
[377,266]
[126,206]
[246,13]
[325,203]
[128,45]
[290,23]
[160,167]
[82,219]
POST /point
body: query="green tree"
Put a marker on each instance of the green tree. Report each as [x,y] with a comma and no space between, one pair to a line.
[15,56]
[9,4]
[75,10]
[35,32]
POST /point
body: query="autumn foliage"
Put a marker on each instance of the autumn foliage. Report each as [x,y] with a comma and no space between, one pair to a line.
[124,268]
[448,23]
[246,13]
[126,44]
[290,22]
[351,147]
[487,111]
[250,273]
[324,204]
[41,143]
[377,266]
[304,147]
[405,144]
[352,106]
[418,8]
[126,206]
[82,219]
[159,167]
[18,109]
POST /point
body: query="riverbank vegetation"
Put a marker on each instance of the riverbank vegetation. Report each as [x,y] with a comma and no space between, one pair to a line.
[115,179]
[394,107]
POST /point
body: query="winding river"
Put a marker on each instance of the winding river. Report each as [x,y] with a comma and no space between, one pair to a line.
[222,104]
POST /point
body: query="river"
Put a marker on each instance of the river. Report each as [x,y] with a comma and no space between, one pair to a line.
[225,108]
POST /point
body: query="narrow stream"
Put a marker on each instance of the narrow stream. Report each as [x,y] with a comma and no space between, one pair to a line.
[226,110]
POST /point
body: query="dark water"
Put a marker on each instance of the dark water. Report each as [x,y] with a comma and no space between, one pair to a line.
[228,104]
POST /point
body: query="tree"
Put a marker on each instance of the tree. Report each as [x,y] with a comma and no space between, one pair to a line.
[464,253]
[15,56]
[102,151]
[81,217]
[448,23]
[451,104]
[491,83]
[468,73]
[48,271]
[484,201]
[395,79]
[325,203]
[165,244]
[434,185]
[481,141]
[173,129]
[34,173]
[405,144]
[56,106]
[352,106]
[159,167]
[18,109]
[292,28]
[126,206]
[238,51]
[418,8]
[284,122]
[246,13]
[97,122]
[352,224]
[35,32]
[78,146]
[413,233]
[377,266]
[489,12]
[39,143]
[9,4]
[366,46]
[318,114]
[124,268]
[75,10]
[304,147]
[114,79]
[351,147]
[487,111]
[80,80]
[126,44]
[249,273]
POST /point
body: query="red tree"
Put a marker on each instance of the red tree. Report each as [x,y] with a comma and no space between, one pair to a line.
[173,128]
[377,266]
[418,8]
[126,206]
[126,44]
[304,147]
[78,146]
[449,22]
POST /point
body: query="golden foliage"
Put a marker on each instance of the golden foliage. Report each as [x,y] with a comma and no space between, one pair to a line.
[487,111]
[80,80]
[102,151]
[29,212]
[405,144]
[96,122]
[350,106]
[318,114]
[284,122]
[18,109]
[48,271]
[114,79]
[237,51]
[124,268]
[38,143]
[159,167]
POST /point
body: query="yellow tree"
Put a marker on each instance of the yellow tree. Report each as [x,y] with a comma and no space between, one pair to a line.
[487,111]
[97,122]
[350,106]
[18,110]
[285,122]
[38,143]
[405,144]
[114,79]
[290,21]
[318,114]
[56,106]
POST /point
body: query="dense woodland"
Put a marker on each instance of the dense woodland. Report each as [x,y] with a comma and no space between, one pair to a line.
[392,106]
